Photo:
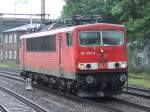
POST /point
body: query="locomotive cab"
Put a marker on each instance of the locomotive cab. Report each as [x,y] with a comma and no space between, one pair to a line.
[102,60]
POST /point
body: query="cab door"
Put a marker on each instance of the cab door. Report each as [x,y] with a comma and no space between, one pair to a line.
[21,52]
[61,55]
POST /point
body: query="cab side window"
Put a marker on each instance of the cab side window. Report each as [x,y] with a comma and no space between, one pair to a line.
[69,39]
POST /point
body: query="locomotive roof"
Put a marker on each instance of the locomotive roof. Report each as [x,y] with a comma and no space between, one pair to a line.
[66,29]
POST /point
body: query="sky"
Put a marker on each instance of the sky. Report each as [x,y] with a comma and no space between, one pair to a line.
[53,7]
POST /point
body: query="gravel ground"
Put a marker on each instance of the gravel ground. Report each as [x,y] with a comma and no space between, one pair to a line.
[139,92]
[135,99]
[12,104]
[51,102]
[54,103]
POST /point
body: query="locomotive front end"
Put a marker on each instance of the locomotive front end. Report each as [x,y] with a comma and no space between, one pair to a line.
[102,61]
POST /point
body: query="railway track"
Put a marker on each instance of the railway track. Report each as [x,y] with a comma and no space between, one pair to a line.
[24,100]
[11,75]
[139,92]
[78,99]
[128,106]
[68,96]
[12,71]
[2,109]
[112,105]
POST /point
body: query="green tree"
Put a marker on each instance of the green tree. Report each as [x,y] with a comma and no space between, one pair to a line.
[88,8]
[134,14]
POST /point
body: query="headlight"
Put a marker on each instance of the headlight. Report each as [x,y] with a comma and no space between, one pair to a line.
[123,64]
[81,66]
[88,66]
[117,65]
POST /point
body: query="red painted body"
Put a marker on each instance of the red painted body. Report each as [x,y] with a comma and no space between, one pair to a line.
[48,60]
[92,54]
[64,61]
[68,58]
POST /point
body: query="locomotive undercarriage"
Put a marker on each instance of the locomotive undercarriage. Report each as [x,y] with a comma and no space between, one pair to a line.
[102,84]
[86,85]
[58,83]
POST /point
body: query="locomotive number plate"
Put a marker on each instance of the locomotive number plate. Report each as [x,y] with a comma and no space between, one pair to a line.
[102,65]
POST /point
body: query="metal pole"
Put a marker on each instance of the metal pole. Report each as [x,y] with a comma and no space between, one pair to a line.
[31,12]
[1,18]
[42,11]
[15,7]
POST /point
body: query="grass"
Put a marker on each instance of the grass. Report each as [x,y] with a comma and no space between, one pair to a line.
[11,65]
[140,80]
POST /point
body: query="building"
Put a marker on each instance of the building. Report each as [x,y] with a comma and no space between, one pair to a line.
[1,52]
[9,49]
[11,22]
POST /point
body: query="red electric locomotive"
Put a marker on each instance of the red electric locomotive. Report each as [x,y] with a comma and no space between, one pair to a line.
[88,60]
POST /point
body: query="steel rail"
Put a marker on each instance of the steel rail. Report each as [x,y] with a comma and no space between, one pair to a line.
[135,91]
[2,109]
[137,94]
[137,106]
[78,99]
[135,88]
[68,96]
[24,100]
[14,78]
[104,106]
[11,70]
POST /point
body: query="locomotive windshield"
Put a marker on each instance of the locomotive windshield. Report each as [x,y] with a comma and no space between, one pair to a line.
[102,38]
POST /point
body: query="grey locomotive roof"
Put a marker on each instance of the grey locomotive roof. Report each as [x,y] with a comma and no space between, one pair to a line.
[54,31]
